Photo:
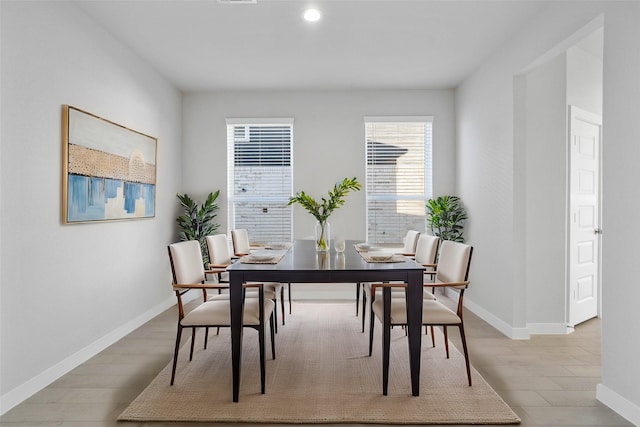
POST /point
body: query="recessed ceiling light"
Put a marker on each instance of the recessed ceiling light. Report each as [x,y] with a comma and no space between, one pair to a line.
[312,15]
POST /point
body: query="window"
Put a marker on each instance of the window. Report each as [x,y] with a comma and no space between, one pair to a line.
[260,177]
[398,175]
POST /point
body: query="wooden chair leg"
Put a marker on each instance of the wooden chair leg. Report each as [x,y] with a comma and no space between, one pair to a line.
[193,340]
[282,304]
[275,311]
[364,304]
[466,353]
[175,353]
[206,336]
[273,337]
[446,340]
[289,288]
[372,322]
[358,299]
[433,337]
[262,358]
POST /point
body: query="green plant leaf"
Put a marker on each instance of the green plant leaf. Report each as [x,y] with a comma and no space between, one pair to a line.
[445,217]
[321,211]
[198,221]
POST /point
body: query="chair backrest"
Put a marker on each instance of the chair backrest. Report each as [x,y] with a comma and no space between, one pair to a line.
[410,242]
[218,248]
[427,249]
[186,262]
[454,262]
[240,238]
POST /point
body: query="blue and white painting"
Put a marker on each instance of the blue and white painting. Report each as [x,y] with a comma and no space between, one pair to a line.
[110,171]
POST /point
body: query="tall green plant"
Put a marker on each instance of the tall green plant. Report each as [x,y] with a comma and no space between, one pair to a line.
[445,218]
[197,222]
[322,210]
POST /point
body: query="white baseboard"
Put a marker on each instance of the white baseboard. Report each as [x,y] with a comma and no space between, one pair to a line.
[508,330]
[549,329]
[37,383]
[619,404]
[496,322]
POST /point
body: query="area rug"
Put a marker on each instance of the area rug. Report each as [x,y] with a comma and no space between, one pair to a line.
[321,374]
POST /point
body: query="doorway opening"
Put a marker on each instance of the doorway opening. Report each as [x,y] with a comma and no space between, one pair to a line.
[551,181]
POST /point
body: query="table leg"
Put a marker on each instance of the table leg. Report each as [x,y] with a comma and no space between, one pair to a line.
[386,337]
[236,301]
[414,326]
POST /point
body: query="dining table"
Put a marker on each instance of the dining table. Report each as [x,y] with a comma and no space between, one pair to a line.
[301,263]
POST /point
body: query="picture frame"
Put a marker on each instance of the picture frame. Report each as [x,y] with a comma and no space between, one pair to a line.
[109,170]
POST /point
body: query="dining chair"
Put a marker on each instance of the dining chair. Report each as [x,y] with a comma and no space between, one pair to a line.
[219,255]
[425,254]
[242,246]
[241,242]
[452,271]
[188,273]
[220,259]
[410,242]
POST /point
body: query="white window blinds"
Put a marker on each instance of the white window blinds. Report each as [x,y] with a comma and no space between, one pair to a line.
[260,177]
[398,176]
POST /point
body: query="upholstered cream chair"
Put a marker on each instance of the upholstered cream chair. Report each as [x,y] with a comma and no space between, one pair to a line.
[188,273]
[242,246]
[452,271]
[425,253]
[410,242]
[219,255]
[241,242]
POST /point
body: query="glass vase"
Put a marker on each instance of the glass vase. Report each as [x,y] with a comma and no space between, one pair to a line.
[322,236]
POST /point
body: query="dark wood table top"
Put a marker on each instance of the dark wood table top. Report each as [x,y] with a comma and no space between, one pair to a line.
[302,263]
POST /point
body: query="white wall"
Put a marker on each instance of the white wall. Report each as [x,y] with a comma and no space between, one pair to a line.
[328,145]
[491,183]
[584,80]
[545,192]
[328,142]
[70,290]
[621,238]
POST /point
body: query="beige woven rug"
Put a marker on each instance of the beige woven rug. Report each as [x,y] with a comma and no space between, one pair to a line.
[321,374]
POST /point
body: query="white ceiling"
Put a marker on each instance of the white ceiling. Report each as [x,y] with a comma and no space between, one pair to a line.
[358,44]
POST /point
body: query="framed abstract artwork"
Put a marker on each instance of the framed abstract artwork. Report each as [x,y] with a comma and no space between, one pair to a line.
[109,171]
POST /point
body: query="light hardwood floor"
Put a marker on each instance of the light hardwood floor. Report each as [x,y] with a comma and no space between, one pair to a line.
[547,380]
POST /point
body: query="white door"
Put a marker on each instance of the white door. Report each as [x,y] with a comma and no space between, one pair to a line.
[584,229]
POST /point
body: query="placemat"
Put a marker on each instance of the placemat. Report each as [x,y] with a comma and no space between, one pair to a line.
[371,257]
[263,257]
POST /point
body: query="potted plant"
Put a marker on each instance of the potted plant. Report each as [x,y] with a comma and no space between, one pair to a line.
[197,222]
[321,211]
[445,217]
